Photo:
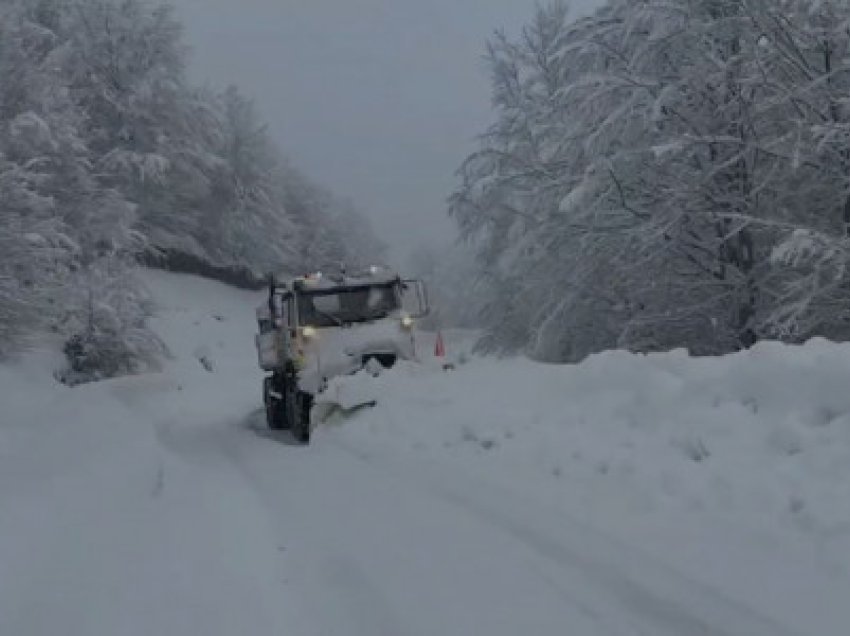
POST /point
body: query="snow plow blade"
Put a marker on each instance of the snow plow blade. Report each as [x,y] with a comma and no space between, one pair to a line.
[347,395]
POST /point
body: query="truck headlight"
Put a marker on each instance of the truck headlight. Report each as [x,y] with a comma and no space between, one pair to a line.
[407,322]
[309,332]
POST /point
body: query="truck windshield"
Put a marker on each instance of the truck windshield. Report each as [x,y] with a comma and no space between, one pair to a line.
[330,308]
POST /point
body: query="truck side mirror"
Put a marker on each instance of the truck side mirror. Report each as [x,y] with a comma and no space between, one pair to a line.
[415,298]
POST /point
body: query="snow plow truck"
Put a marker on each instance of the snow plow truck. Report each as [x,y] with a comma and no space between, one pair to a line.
[317,329]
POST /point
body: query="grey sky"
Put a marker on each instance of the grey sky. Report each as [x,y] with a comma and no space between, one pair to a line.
[380,100]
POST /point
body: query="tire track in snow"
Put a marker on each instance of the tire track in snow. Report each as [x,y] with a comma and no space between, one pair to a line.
[275,468]
[595,576]
[671,602]
[388,562]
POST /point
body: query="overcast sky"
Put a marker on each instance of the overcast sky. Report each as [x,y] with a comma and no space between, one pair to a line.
[380,100]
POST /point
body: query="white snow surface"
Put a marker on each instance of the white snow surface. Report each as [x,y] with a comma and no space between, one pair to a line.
[628,495]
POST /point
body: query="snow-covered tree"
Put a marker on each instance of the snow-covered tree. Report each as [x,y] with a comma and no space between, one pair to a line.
[43,166]
[107,152]
[71,237]
[455,289]
[646,162]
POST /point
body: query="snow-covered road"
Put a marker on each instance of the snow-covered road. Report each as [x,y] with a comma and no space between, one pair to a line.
[625,496]
[370,545]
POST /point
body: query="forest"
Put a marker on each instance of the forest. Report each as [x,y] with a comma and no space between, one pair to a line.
[663,174]
[110,156]
[659,174]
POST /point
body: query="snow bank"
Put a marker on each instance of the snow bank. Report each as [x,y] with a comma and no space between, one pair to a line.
[736,469]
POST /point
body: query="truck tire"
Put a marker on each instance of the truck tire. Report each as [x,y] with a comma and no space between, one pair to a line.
[300,414]
[275,411]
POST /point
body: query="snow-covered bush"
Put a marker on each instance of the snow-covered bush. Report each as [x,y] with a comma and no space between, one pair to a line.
[106,317]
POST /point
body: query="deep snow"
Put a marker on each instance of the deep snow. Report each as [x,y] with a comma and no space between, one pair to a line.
[626,495]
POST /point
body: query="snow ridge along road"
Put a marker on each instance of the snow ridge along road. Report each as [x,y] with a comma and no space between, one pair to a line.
[626,496]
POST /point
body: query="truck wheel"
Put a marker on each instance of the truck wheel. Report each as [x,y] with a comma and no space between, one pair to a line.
[275,414]
[303,404]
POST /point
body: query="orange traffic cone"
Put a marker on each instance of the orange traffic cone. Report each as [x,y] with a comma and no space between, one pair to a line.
[440,348]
